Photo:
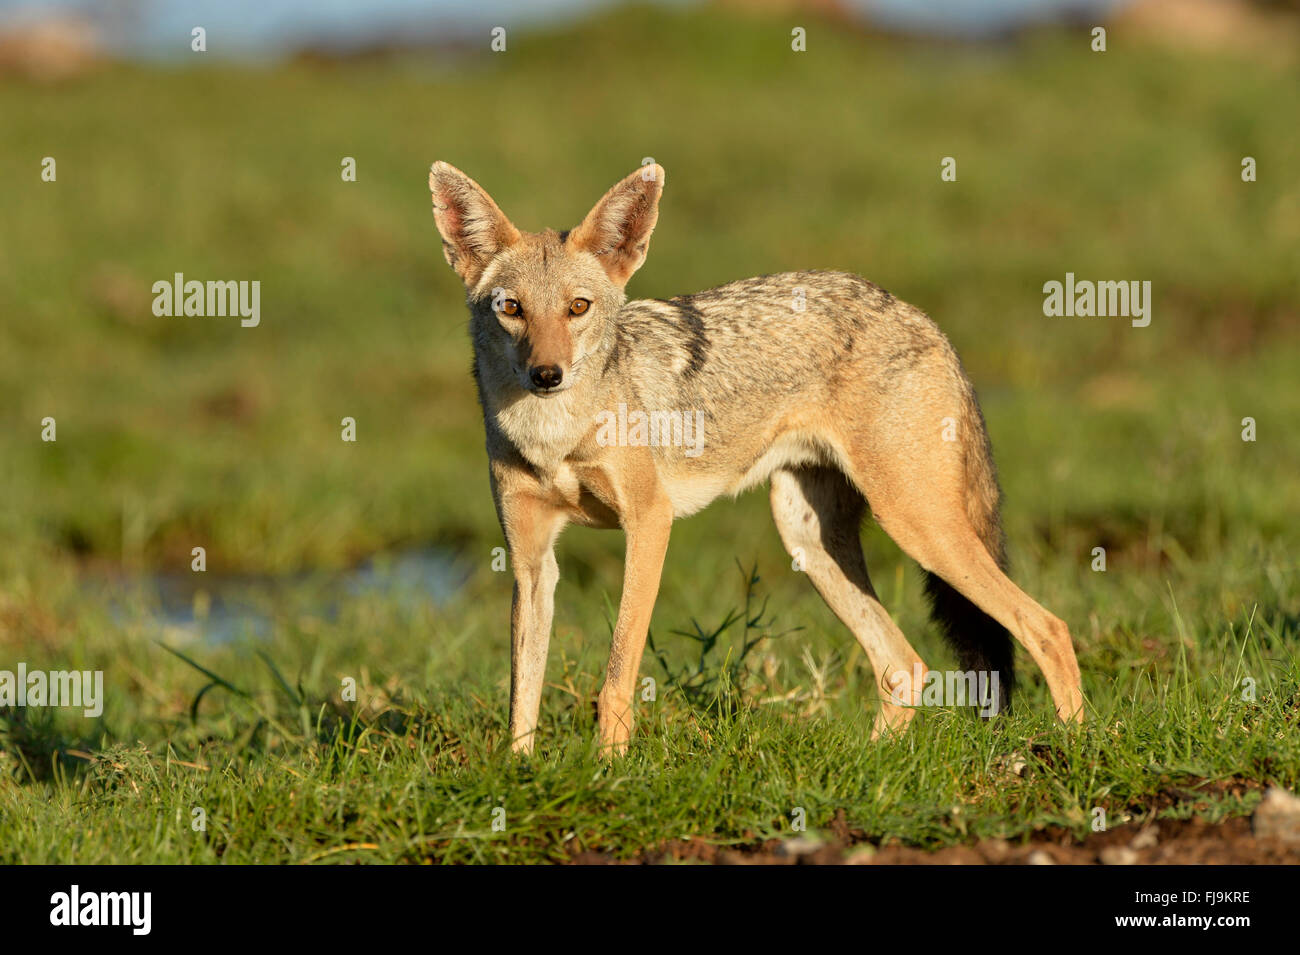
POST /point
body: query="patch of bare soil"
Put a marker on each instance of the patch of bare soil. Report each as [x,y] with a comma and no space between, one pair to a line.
[1168,842]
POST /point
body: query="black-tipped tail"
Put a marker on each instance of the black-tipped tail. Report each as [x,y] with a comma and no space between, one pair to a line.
[981,643]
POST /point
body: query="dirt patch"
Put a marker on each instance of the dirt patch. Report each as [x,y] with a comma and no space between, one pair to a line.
[1168,842]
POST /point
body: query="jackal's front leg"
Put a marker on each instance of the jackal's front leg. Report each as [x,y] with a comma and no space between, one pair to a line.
[531,528]
[647,542]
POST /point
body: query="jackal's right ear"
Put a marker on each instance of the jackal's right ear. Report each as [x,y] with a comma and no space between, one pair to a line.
[617,231]
[473,228]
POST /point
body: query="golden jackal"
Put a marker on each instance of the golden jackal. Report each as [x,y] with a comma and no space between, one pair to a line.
[610,413]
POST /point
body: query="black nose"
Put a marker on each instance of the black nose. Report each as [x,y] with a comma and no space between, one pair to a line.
[546,376]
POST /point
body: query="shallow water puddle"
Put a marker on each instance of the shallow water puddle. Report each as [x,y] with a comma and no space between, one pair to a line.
[213,608]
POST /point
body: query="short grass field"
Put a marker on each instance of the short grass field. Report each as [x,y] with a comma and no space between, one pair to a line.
[174,433]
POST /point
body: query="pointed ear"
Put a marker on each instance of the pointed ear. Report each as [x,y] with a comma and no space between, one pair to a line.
[473,228]
[617,231]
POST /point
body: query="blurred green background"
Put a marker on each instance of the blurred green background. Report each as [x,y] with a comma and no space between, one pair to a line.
[1122,165]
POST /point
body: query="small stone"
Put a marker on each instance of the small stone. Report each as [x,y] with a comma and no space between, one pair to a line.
[1277,816]
[798,846]
[865,855]
[1040,857]
[995,850]
[1013,764]
[1148,838]
[1118,855]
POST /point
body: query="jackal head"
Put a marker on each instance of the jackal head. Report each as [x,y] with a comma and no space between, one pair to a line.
[543,304]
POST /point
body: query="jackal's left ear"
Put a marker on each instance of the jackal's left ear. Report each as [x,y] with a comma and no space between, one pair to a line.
[473,228]
[617,231]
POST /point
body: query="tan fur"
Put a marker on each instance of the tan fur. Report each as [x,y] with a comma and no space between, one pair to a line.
[819,382]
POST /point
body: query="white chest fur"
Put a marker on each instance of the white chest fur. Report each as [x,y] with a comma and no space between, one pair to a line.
[545,430]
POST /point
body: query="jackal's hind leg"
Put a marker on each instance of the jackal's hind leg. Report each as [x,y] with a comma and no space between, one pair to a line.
[819,515]
[944,543]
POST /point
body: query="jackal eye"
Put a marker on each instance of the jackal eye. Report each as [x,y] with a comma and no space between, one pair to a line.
[579,306]
[510,307]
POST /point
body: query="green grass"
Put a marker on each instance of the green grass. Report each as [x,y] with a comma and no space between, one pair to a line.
[285,772]
[174,433]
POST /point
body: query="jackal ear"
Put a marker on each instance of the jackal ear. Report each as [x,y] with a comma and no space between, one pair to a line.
[617,230]
[473,228]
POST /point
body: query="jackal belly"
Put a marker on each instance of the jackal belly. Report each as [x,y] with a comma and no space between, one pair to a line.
[693,484]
